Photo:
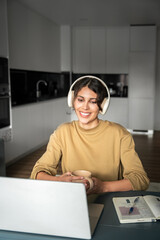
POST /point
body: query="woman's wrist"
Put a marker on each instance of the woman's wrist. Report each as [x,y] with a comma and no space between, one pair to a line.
[119,185]
[46,176]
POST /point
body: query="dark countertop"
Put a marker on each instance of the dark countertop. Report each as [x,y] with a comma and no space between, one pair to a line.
[31,100]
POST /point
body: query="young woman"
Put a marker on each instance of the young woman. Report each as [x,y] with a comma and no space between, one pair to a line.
[104,148]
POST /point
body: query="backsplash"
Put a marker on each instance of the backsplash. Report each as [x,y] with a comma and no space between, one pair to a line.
[24,87]
[33,86]
[117,83]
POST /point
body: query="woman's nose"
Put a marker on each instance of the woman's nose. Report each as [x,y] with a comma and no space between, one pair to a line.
[85,105]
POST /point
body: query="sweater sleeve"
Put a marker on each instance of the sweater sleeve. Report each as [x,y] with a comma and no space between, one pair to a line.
[132,167]
[49,161]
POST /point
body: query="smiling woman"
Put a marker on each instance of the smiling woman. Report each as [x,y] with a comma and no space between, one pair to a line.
[104,148]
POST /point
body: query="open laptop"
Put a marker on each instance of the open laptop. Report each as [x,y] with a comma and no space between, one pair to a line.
[46,207]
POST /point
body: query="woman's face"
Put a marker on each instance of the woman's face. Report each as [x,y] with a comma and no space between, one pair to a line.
[86,108]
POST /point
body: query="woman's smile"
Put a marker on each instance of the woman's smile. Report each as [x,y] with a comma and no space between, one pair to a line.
[84,114]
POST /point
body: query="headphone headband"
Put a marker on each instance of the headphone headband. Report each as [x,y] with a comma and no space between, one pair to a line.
[105,103]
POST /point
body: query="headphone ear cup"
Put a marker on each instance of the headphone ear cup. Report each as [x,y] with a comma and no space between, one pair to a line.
[104,106]
[70,98]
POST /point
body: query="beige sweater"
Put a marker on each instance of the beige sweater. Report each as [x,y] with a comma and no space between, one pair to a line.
[106,150]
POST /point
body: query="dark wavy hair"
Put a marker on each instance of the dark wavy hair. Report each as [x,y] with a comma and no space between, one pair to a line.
[93,84]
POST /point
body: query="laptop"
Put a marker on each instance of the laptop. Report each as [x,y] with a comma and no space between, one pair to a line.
[47,207]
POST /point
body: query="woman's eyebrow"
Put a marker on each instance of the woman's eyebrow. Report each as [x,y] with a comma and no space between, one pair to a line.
[80,96]
[84,97]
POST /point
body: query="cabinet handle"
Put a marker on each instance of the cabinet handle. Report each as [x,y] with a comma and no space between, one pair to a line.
[68,113]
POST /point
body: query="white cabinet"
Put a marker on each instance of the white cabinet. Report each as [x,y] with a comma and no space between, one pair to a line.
[117,50]
[34,41]
[88,50]
[142,75]
[33,124]
[142,78]
[98,46]
[141,114]
[81,50]
[65,46]
[117,111]
[143,38]
[100,50]
[3,29]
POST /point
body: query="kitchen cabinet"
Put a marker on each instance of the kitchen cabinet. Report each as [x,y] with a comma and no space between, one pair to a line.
[142,78]
[81,50]
[117,50]
[65,46]
[141,114]
[117,111]
[142,75]
[33,124]
[143,38]
[3,29]
[34,41]
[100,50]
[97,50]
[88,50]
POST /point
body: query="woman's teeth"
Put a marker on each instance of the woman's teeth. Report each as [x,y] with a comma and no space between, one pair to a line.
[84,114]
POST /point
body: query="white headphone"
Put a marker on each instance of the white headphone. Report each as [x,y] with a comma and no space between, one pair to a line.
[106,101]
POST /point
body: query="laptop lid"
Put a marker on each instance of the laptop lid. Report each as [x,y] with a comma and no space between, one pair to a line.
[44,207]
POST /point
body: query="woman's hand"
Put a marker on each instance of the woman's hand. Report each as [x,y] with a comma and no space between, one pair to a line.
[98,186]
[68,177]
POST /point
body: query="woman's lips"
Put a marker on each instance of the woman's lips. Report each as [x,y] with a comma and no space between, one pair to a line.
[84,114]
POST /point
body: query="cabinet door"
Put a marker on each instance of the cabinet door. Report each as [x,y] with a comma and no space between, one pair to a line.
[81,50]
[36,122]
[142,75]
[98,50]
[117,40]
[143,38]
[117,111]
[55,113]
[65,48]
[3,30]
[141,116]
[21,134]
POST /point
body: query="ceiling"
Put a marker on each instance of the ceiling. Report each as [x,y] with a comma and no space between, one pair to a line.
[98,12]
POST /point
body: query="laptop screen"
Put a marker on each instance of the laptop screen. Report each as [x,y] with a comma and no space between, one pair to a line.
[44,207]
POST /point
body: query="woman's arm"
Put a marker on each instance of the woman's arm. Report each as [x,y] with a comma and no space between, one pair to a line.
[66,177]
[132,168]
[111,186]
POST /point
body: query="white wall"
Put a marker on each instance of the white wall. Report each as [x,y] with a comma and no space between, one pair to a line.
[157,90]
[34,41]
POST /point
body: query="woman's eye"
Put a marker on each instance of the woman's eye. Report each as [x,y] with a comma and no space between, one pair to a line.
[80,99]
[94,102]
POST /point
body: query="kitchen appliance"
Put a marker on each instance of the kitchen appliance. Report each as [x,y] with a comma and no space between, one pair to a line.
[5,98]
[4,71]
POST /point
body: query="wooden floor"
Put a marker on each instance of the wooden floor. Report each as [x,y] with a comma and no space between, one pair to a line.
[148,149]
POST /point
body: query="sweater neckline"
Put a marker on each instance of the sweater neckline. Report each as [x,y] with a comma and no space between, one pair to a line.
[100,126]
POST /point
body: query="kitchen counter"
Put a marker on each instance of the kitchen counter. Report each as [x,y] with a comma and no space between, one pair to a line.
[31,100]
